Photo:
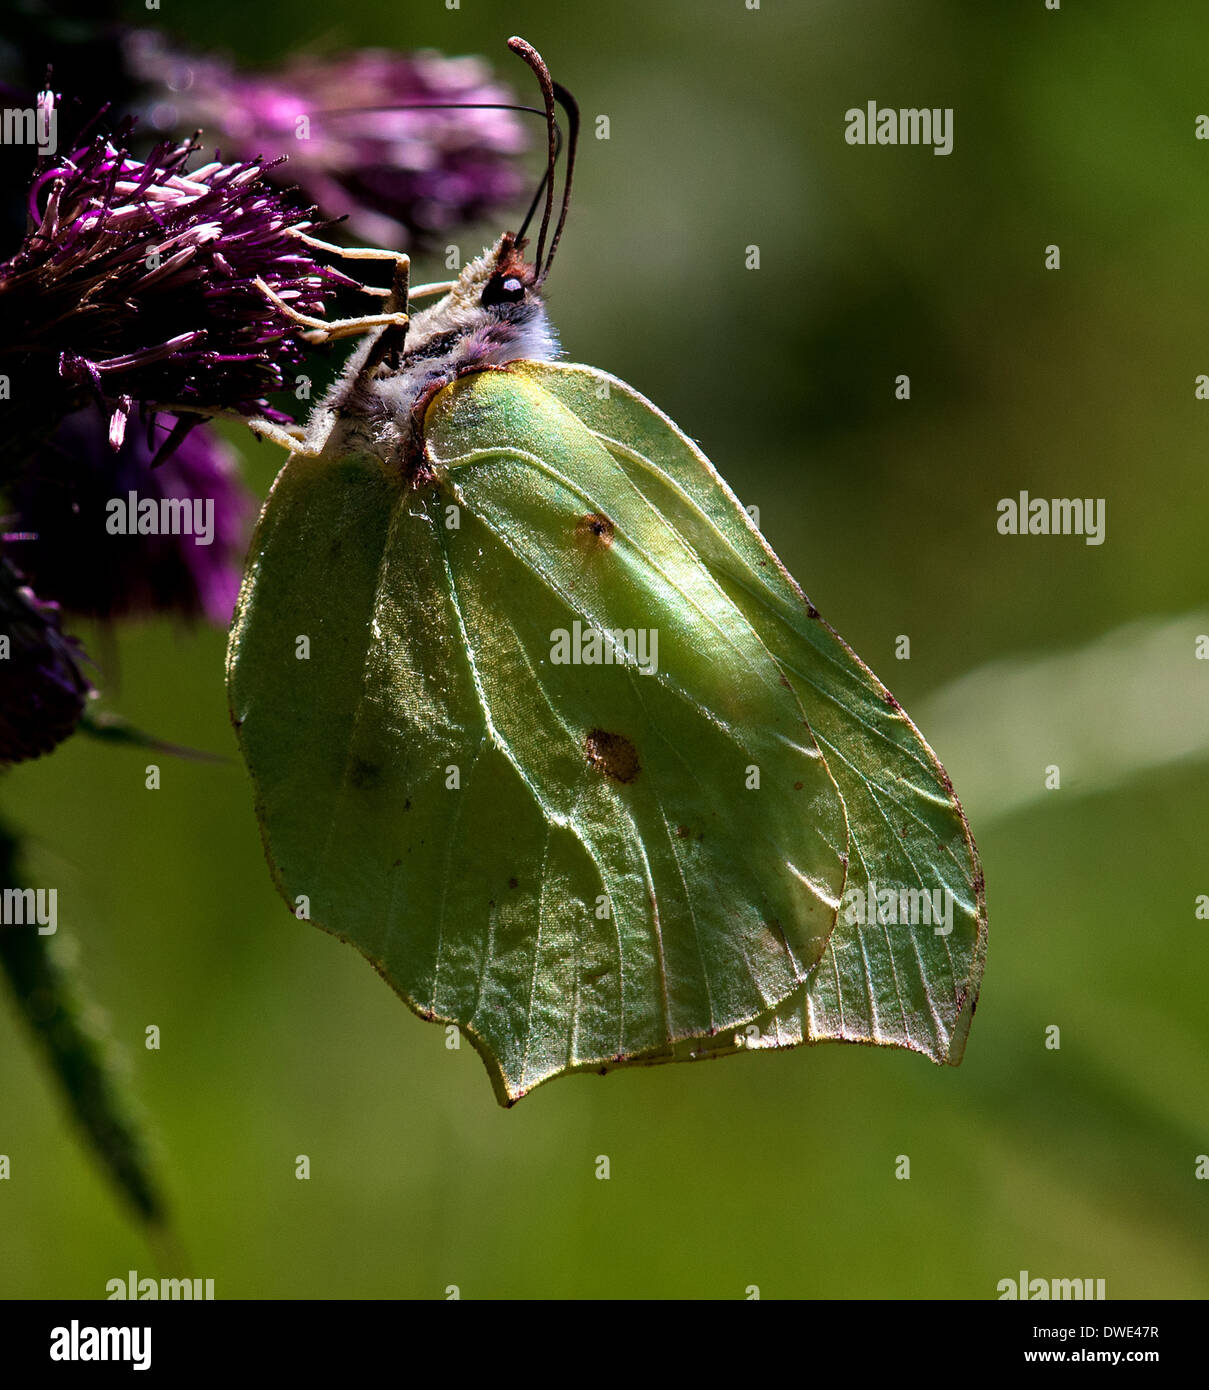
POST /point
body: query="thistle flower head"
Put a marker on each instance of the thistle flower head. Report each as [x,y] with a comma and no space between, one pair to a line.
[102,541]
[139,282]
[42,688]
[401,177]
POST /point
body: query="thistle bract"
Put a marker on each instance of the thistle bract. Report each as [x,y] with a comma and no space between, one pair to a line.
[42,687]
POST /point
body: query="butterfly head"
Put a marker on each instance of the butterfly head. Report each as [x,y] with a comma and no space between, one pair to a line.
[500,287]
[495,313]
[502,281]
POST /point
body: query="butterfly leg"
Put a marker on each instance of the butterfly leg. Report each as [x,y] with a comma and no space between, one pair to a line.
[291,437]
[294,438]
[372,253]
[311,439]
[328,330]
[388,330]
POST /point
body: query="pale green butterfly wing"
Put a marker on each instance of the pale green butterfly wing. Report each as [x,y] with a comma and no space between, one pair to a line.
[574,863]
[879,982]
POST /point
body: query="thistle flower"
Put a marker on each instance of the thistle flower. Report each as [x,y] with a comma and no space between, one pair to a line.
[81,42]
[138,283]
[42,688]
[402,178]
[75,499]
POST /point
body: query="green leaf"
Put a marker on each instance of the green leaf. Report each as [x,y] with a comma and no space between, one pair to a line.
[108,727]
[584,865]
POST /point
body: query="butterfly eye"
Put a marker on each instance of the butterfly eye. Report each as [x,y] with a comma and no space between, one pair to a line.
[502,290]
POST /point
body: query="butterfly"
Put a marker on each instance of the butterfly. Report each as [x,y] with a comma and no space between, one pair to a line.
[538,721]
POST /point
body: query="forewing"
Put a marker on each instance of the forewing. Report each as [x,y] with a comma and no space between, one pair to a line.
[911,985]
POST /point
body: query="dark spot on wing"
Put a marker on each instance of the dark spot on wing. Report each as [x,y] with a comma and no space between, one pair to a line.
[363,775]
[797,786]
[594,531]
[612,754]
[512,883]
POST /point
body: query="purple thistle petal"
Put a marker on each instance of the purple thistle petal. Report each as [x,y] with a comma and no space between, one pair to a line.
[139,279]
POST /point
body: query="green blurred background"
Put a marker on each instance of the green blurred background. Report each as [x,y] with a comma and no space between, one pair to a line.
[727,124]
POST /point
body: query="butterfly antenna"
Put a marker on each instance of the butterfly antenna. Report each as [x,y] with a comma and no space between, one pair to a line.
[571,107]
[541,187]
[432,106]
[537,66]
